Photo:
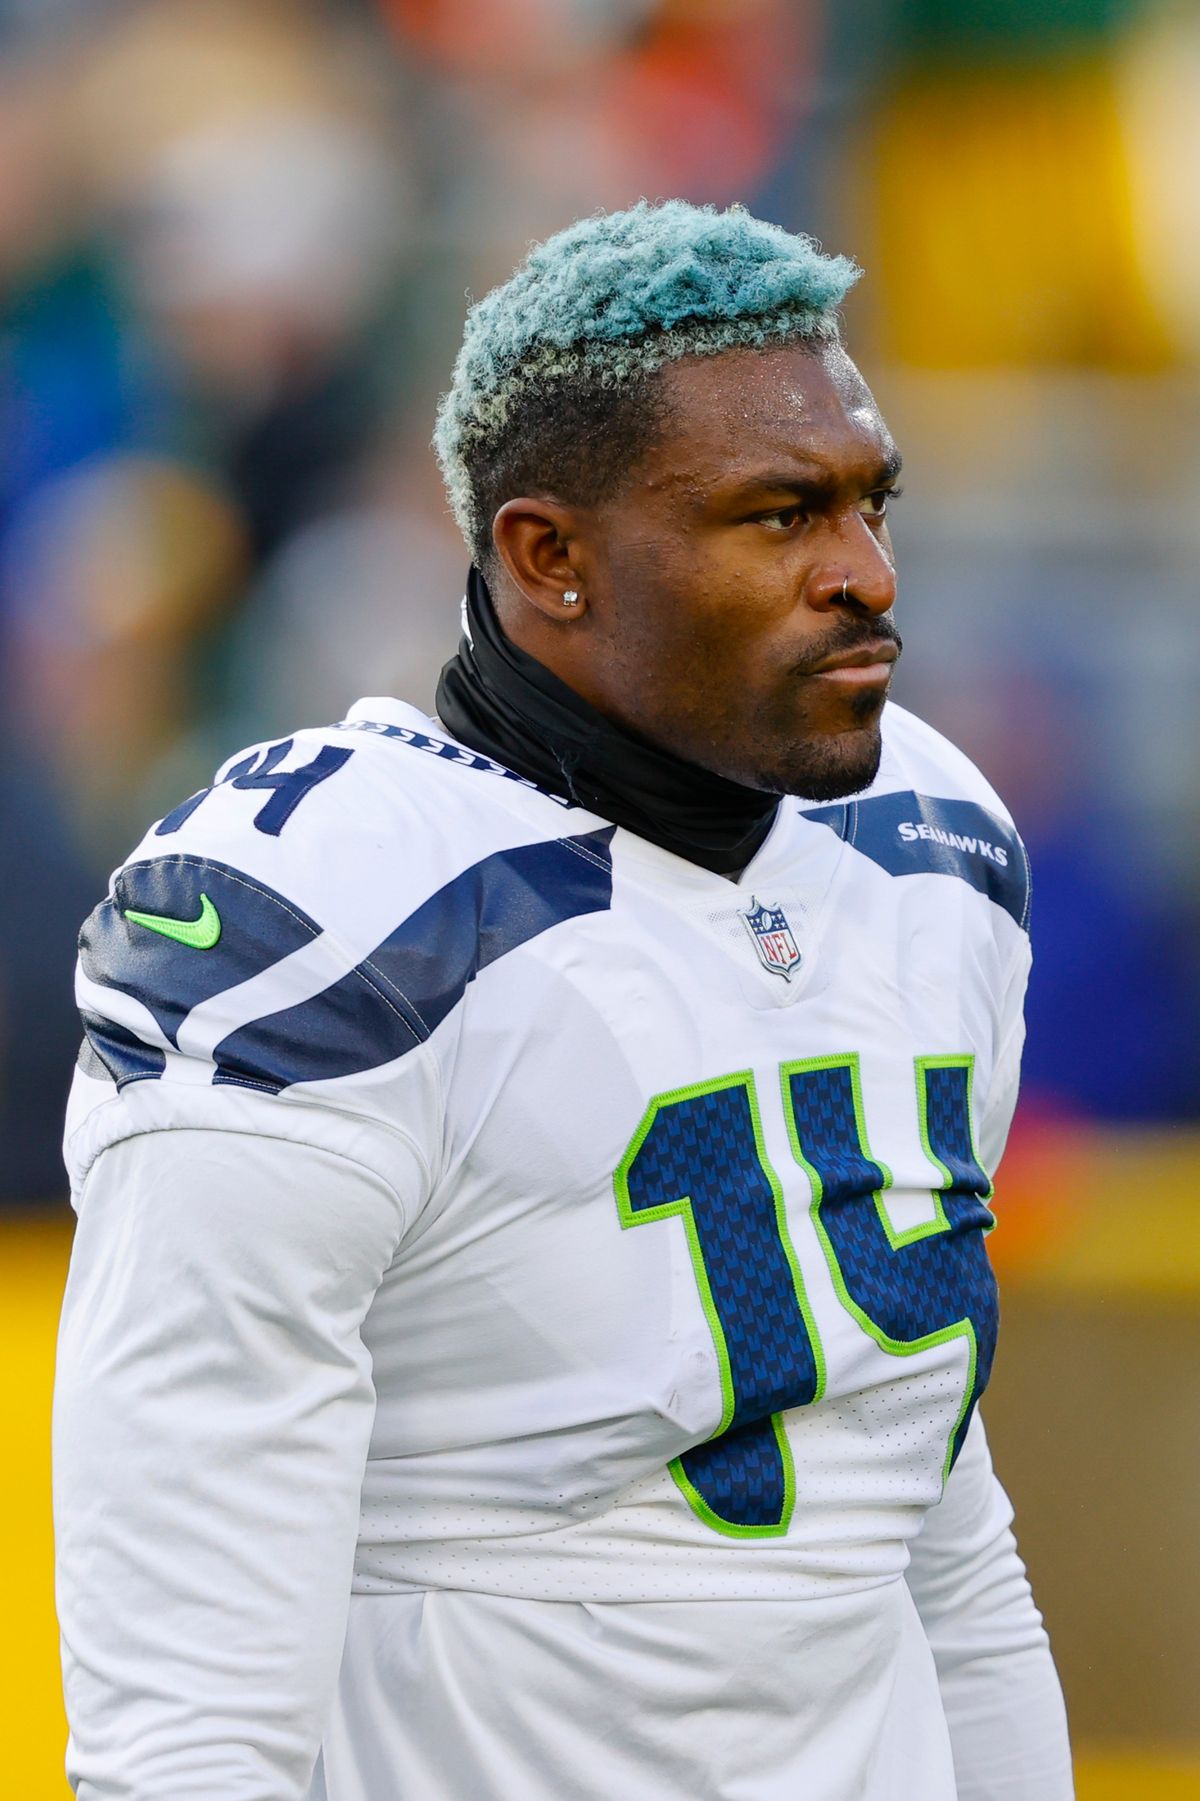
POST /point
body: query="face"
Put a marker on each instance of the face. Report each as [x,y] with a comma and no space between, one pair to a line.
[739,588]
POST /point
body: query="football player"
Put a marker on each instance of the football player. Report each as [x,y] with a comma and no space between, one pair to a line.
[530,1298]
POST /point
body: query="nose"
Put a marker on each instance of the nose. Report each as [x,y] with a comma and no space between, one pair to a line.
[856,569]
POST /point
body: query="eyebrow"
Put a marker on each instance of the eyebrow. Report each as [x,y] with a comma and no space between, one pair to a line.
[821,485]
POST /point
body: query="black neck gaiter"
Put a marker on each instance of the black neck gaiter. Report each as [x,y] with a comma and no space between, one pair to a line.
[499,700]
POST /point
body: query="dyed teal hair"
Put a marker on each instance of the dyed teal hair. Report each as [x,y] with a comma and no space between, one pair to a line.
[612,299]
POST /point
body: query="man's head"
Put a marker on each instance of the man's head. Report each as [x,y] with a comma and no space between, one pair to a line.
[657,415]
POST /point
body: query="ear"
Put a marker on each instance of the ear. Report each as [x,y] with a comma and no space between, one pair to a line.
[535,540]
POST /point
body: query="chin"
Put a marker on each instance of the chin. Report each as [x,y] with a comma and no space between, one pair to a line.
[830,766]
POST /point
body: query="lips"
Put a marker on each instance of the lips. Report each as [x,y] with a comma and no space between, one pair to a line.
[867,666]
[865,656]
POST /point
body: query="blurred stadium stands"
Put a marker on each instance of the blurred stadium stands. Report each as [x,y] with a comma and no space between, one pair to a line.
[235,242]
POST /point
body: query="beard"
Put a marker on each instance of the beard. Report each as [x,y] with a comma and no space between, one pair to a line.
[789,753]
[831,765]
[787,758]
[824,766]
[800,738]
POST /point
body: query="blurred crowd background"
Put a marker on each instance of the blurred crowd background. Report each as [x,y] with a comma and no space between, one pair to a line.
[237,239]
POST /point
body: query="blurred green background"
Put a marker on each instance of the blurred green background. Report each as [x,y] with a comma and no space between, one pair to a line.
[235,245]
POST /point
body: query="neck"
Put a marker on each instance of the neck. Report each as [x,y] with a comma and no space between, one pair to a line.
[500,700]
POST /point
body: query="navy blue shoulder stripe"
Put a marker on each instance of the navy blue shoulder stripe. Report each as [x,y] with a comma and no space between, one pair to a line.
[257,928]
[112,1050]
[918,834]
[398,995]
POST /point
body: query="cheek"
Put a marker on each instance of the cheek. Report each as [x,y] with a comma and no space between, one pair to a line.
[720,624]
[722,644]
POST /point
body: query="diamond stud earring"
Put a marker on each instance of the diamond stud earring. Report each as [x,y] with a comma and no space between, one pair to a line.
[571,598]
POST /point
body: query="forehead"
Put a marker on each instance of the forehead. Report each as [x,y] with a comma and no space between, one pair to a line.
[731,413]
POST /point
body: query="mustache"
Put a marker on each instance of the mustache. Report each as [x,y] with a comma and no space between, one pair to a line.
[852,633]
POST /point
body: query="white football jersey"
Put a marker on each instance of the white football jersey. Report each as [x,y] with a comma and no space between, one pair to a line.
[689,1295]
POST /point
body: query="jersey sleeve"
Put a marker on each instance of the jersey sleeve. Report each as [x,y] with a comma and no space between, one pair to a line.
[235,962]
[255,1124]
[1000,1690]
[997,1115]
[213,1409]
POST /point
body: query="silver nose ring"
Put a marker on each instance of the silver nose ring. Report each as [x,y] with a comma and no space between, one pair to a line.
[845,587]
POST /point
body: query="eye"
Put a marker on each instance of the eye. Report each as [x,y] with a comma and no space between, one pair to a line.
[874,506]
[784,519]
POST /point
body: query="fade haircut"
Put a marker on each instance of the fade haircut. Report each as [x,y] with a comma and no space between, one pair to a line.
[554,392]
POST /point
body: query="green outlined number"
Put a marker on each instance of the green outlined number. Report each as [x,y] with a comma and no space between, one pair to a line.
[918,1288]
[698,1155]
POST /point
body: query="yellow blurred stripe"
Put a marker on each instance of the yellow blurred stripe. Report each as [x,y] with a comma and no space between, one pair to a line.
[1101,1211]
[1136,1776]
[33,1260]
[1139,1227]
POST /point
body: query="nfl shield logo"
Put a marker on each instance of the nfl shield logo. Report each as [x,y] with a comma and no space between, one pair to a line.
[772,935]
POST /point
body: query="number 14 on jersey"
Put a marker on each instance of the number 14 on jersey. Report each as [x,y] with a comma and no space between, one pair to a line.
[698,1154]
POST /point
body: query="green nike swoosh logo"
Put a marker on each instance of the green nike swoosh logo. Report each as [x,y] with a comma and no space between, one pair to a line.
[198,934]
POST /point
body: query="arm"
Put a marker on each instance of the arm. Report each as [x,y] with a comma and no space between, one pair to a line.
[999,1686]
[213,1409]
[1000,1690]
[1003,1088]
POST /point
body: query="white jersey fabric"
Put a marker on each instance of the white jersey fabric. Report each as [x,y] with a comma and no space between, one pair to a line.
[547,1280]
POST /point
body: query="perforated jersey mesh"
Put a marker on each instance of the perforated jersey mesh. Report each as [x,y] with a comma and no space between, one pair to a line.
[912,1290]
